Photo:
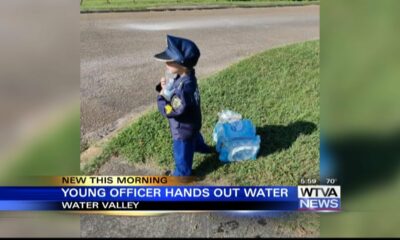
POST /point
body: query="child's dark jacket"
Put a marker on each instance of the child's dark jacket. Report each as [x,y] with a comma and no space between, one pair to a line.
[183,112]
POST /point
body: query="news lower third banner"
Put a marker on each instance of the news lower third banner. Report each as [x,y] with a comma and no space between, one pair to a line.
[117,194]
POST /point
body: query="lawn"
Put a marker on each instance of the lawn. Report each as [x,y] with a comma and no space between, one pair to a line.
[277,89]
[126,5]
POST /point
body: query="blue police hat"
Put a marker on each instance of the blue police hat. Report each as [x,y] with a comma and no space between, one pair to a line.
[180,50]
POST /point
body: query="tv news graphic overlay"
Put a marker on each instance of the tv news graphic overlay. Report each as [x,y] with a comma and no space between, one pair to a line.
[319,198]
[116,194]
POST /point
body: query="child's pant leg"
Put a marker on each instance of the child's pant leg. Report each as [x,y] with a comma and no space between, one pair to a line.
[200,145]
[183,155]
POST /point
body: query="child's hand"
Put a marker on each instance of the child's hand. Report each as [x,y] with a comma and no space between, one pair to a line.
[163,82]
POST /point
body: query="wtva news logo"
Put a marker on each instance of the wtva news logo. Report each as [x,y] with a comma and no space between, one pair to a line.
[319,198]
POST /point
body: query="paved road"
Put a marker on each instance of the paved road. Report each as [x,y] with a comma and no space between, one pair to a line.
[210,225]
[118,73]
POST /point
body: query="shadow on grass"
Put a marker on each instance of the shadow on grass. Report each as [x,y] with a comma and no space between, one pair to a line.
[274,138]
[210,164]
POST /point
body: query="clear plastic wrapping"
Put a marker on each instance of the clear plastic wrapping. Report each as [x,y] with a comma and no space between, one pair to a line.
[235,138]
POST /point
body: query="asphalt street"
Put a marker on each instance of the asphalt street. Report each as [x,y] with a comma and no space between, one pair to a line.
[118,72]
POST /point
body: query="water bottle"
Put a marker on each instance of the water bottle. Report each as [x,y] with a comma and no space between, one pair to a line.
[169,87]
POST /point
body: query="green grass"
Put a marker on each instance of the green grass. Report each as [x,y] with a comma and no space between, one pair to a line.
[126,5]
[277,89]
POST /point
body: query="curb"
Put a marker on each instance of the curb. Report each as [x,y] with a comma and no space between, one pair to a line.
[188,8]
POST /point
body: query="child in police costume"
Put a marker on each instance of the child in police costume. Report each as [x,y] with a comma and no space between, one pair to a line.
[182,107]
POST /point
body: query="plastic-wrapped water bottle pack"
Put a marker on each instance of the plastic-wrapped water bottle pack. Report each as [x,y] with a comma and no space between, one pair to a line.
[235,138]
